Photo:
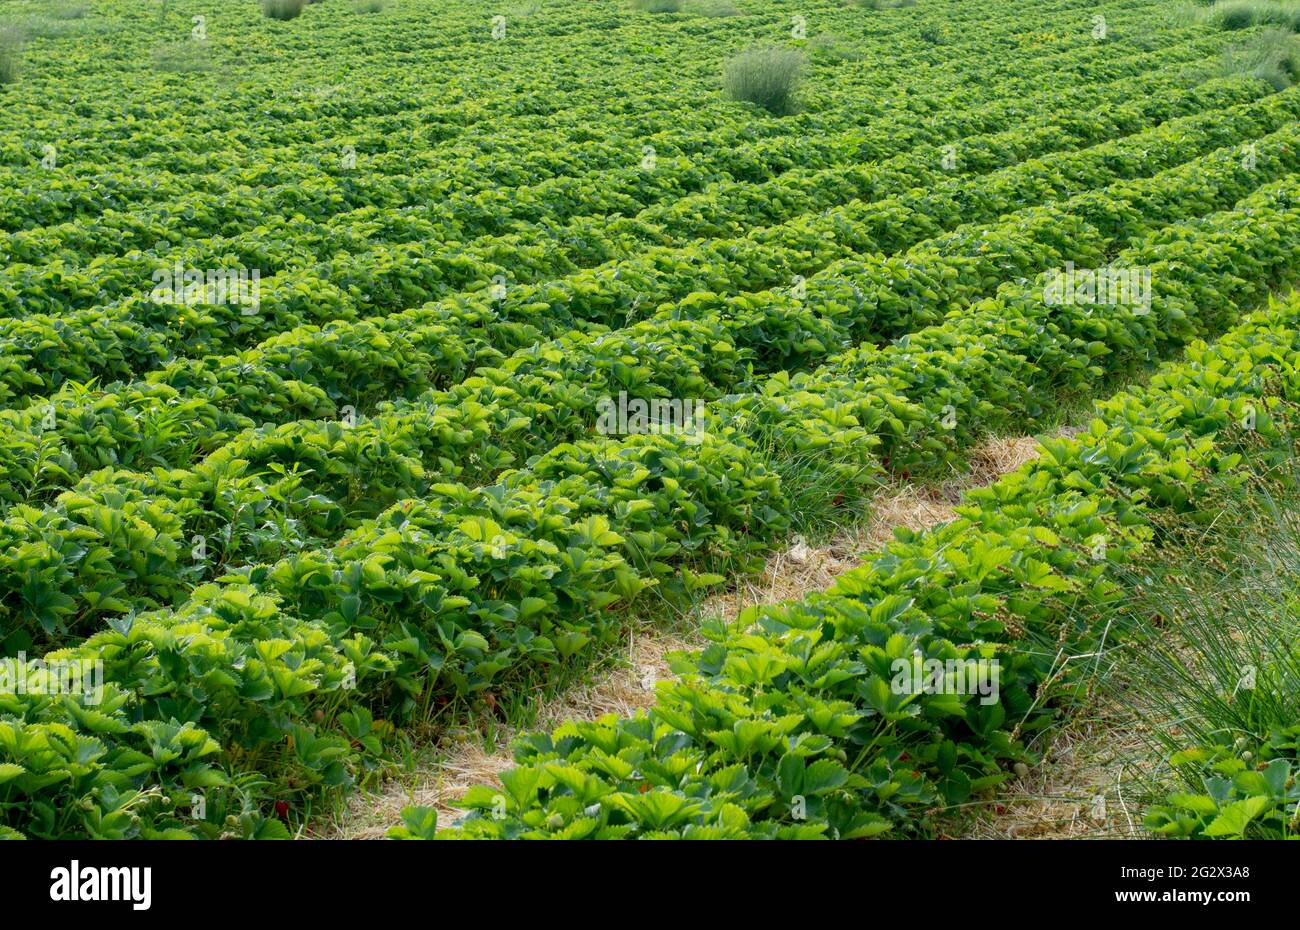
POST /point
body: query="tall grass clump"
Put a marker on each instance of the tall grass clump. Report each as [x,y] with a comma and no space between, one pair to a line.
[1242,14]
[67,11]
[657,6]
[1217,666]
[1272,56]
[282,9]
[767,76]
[11,47]
[715,8]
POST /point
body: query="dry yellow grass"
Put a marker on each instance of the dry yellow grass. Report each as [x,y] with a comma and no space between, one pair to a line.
[1085,787]
[790,574]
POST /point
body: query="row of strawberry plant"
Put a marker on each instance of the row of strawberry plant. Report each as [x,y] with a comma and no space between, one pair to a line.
[249,676]
[715,146]
[273,493]
[796,721]
[86,347]
[541,387]
[321,478]
[762,259]
[42,276]
[215,120]
[34,288]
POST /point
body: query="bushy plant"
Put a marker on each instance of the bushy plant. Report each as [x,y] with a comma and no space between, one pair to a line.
[658,6]
[282,9]
[10,53]
[1242,14]
[716,8]
[767,76]
[1226,665]
[1273,57]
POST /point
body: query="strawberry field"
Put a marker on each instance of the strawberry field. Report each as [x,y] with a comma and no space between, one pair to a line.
[370,369]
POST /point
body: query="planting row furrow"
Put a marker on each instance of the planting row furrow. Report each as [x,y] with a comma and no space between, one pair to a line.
[457,237]
[908,686]
[118,539]
[709,149]
[443,599]
[186,410]
[397,355]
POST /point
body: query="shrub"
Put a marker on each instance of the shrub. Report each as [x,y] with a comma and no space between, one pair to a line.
[10,52]
[1242,14]
[283,9]
[885,4]
[713,8]
[765,76]
[368,6]
[1235,16]
[1272,56]
[658,6]
[1226,669]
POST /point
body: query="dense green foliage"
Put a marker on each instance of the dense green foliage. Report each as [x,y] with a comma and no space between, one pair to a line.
[786,725]
[382,496]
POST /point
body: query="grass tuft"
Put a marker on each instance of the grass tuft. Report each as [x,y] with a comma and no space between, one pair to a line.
[1217,673]
[766,76]
[714,8]
[1272,56]
[1242,14]
[11,47]
[282,9]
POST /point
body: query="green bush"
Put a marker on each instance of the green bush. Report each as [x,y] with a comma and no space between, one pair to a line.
[368,6]
[1234,16]
[1226,668]
[1242,14]
[713,8]
[283,9]
[767,76]
[658,6]
[885,4]
[10,52]
[1272,56]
